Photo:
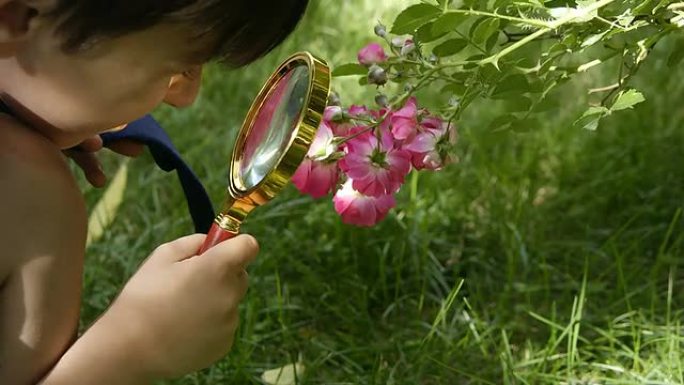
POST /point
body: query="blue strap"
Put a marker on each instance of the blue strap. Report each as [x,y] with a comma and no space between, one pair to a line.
[147,131]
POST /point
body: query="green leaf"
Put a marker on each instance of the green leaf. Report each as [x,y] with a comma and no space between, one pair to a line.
[593,39]
[591,118]
[546,104]
[511,122]
[502,122]
[524,125]
[349,69]
[626,18]
[450,47]
[677,54]
[485,29]
[461,77]
[536,86]
[627,99]
[105,209]
[473,59]
[513,84]
[491,42]
[414,17]
[582,15]
[517,104]
[492,72]
[425,34]
[447,22]
[453,89]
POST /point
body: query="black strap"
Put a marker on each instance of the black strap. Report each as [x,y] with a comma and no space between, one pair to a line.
[149,132]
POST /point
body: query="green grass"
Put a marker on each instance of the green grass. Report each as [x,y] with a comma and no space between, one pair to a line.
[545,257]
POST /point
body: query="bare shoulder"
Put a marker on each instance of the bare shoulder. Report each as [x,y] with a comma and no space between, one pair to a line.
[42,241]
[24,147]
[38,195]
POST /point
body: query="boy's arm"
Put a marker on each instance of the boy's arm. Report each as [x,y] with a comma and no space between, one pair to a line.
[42,233]
[104,356]
[177,314]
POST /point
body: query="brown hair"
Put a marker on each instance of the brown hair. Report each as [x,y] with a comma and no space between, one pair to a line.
[241,30]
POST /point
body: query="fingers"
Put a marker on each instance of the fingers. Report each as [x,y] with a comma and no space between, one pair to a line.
[232,255]
[92,144]
[179,249]
[226,261]
[127,147]
[88,162]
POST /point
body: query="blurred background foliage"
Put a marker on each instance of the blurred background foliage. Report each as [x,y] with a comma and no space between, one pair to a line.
[545,256]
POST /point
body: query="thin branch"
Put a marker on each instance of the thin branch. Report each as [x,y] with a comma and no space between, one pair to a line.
[472,12]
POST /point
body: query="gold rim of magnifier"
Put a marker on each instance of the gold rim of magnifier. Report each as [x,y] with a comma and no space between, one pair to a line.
[240,202]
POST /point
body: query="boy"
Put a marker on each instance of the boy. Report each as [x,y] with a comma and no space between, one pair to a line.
[69,70]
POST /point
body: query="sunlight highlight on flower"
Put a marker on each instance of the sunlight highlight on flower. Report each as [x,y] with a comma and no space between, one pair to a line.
[318,174]
[358,209]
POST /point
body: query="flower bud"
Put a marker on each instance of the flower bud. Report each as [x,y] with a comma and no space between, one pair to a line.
[377,75]
[454,101]
[334,99]
[408,47]
[432,59]
[398,42]
[380,30]
[382,100]
[371,54]
[335,113]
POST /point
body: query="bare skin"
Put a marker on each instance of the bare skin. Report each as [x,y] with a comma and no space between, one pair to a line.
[179,311]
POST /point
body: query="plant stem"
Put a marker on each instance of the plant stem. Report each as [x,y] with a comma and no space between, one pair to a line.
[348,138]
[494,59]
[472,12]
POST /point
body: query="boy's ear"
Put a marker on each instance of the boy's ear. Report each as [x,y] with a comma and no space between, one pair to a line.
[16,18]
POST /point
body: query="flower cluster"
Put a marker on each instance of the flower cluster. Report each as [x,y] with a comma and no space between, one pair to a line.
[363,155]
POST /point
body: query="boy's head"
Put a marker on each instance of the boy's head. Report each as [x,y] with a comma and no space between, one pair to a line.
[74,68]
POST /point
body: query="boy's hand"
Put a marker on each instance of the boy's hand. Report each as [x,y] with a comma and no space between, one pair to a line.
[179,312]
[85,158]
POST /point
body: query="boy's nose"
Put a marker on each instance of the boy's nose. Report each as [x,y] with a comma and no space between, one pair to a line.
[183,88]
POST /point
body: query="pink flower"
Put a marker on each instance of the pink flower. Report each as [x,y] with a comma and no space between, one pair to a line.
[429,148]
[361,210]
[317,175]
[373,53]
[384,117]
[405,120]
[375,166]
[431,123]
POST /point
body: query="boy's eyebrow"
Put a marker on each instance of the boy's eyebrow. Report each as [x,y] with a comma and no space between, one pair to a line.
[197,56]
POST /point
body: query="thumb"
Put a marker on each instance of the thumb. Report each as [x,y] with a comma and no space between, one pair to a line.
[179,249]
[232,254]
[92,144]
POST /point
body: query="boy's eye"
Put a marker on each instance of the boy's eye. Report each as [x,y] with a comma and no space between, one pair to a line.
[190,74]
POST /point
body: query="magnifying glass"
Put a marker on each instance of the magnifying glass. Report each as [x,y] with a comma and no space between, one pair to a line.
[273,141]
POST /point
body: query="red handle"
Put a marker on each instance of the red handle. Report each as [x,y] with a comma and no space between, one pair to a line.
[216,235]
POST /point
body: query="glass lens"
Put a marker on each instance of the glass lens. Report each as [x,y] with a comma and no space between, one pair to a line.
[273,126]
